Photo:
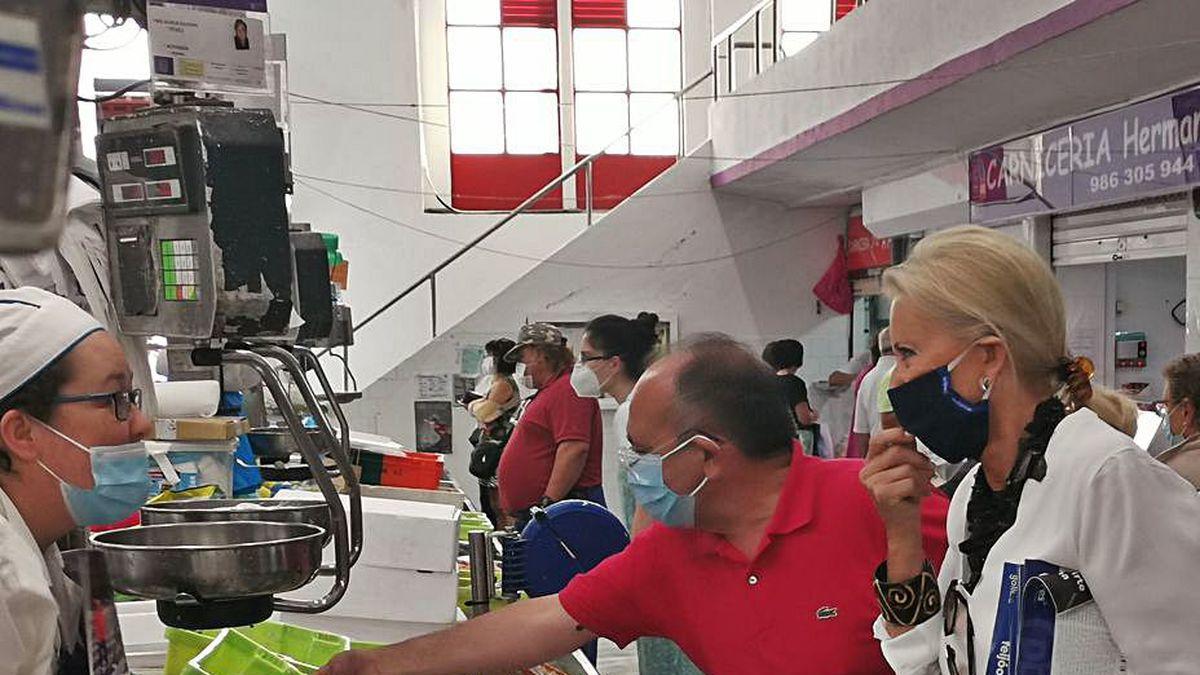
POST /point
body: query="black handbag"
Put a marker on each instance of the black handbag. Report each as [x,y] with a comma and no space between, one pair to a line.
[485,457]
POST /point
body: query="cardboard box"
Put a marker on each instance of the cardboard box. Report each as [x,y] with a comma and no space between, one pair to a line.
[200,429]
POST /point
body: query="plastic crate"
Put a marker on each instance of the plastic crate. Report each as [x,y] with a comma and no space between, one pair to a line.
[232,653]
[411,472]
[309,647]
[183,646]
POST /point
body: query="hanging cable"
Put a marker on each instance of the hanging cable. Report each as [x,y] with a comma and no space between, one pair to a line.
[115,95]
[575,264]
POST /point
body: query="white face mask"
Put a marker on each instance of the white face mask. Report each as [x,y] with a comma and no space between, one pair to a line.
[525,380]
[585,382]
[488,366]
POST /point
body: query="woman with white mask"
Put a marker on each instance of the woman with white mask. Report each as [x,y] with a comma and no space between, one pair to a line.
[493,403]
[613,354]
[1180,409]
[71,455]
[1070,547]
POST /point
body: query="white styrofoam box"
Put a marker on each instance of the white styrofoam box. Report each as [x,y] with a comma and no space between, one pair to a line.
[401,534]
[443,495]
[141,631]
[367,630]
[390,594]
[375,443]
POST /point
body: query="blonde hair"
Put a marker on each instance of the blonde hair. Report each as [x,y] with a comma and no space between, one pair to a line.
[975,283]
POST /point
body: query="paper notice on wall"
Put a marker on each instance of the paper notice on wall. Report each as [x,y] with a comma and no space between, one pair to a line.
[23,98]
[434,387]
[469,359]
[210,49]
[1083,331]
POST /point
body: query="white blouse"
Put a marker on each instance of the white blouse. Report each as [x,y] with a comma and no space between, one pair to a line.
[1128,523]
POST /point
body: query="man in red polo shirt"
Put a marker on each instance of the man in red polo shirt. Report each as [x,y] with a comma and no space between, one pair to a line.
[761,560]
[557,448]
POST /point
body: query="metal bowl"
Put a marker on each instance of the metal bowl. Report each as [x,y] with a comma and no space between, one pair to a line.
[277,443]
[211,561]
[253,510]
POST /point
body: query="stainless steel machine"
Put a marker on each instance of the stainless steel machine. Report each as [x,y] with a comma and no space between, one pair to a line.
[201,253]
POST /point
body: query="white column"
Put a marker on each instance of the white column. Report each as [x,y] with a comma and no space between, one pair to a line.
[1192,336]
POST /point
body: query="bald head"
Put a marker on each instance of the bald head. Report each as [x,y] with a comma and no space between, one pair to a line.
[716,386]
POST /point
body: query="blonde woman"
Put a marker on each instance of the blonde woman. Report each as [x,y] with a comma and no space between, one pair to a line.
[1071,550]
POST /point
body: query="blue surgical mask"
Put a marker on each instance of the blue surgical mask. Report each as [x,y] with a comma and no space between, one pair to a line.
[951,427]
[1173,439]
[122,483]
[650,491]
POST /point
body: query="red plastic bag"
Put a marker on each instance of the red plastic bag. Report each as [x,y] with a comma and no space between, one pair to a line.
[834,287]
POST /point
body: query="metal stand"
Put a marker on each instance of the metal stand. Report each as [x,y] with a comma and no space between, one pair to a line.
[255,358]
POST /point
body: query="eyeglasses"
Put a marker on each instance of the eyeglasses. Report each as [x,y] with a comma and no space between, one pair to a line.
[584,358]
[123,402]
[632,458]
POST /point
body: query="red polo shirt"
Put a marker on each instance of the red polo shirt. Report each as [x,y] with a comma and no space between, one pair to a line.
[555,415]
[804,603]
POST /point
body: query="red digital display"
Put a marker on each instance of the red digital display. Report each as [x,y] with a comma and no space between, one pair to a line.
[132,191]
[156,157]
[163,189]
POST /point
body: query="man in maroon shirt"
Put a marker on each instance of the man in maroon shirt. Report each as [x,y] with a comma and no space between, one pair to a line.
[762,561]
[557,448]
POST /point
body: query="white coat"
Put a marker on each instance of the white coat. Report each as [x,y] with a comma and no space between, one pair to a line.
[32,586]
[1127,522]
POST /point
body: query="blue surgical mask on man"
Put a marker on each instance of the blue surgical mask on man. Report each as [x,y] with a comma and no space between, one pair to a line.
[650,491]
[929,408]
[122,483]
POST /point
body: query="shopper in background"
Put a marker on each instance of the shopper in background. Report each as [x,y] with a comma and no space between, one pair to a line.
[834,400]
[979,331]
[613,354]
[867,416]
[497,399]
[787,357]
[846,375]
[556,450]
[753,565]
[71,455]
[1180,409]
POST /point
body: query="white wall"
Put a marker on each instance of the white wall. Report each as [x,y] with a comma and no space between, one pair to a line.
[717,262]
[370,55]
[1146,290]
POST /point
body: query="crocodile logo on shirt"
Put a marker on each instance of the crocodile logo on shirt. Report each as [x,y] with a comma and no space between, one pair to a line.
[826,613]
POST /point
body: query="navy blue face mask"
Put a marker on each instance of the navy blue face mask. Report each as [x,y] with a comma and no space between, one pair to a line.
[949,425]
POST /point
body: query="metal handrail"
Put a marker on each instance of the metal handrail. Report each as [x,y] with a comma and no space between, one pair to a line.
[726,38]
[584,165]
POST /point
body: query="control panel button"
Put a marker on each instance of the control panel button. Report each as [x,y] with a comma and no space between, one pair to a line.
[164,156]
[128,192]
[163,189]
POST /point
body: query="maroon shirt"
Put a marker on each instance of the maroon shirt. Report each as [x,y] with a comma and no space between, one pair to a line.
[555,415]
[803,604]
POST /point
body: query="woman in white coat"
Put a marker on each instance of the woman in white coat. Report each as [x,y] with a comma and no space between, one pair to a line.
[1071,550]
[70,456]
